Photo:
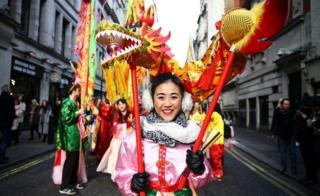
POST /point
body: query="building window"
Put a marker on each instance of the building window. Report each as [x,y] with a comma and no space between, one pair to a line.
[306,6]
[275,89]
[73,38]
[56,31]
[25,16]
[42,8]
[64,35]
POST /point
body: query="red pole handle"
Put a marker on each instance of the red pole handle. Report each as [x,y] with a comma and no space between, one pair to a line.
[137,121]
[197,145]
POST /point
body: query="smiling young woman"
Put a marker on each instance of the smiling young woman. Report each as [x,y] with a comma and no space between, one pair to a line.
[167,139]
[167,99]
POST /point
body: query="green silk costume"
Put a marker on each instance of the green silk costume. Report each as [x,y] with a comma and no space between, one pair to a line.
[186,191]
[67,134]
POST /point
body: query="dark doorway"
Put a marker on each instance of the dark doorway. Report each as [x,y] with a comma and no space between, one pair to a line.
[242,113]
[252,113]
[264,112]
[316,88]
[28,86]
[295,90]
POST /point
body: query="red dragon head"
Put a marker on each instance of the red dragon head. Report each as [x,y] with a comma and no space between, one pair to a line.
[138,43]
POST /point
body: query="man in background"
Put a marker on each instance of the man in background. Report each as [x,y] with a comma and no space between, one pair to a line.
[282,128]
[7,115]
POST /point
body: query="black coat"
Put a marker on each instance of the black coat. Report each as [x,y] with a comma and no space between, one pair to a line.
[282,124]
[7,110]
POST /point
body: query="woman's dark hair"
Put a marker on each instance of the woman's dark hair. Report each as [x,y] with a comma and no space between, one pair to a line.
[106,100]
[164,77]
[192,109]
[122,100]
[124,118]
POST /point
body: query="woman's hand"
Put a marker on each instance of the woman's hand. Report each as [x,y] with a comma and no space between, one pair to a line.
[139,182]
[195,162]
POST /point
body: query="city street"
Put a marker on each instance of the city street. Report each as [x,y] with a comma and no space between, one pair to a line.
[243,176]
[78,72]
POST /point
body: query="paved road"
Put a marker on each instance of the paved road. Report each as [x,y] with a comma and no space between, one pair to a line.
[243,176]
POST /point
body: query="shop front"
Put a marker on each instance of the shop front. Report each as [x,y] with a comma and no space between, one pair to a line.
[25,79]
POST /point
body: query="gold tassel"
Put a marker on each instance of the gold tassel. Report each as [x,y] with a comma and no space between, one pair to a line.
[110,85]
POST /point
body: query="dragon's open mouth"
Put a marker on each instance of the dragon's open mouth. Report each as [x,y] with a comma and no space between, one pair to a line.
[118,44]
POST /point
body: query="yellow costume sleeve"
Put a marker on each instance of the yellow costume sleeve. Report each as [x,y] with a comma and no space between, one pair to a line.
[216,124]
[197,117]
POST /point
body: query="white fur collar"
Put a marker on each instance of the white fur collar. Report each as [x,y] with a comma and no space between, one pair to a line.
[184,135]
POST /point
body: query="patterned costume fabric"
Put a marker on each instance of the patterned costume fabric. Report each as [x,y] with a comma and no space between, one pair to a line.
[216,155]
[173,159]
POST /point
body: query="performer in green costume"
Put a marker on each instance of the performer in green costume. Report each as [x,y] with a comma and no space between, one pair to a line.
[68,139]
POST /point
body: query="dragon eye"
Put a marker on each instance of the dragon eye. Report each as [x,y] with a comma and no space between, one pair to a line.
[134,29]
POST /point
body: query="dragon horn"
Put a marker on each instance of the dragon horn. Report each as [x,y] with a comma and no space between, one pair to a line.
[144,30]
[156,32]
[148,16]
[163,49]
[163,39]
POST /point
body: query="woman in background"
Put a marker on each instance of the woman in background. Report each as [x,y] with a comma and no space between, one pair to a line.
[34,118]
[196,114]
[19,112]
[44,121]
[104,135]
[121,127]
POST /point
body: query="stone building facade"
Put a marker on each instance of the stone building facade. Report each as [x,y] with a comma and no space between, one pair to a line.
[210,12]
[37,38]
[289,68]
